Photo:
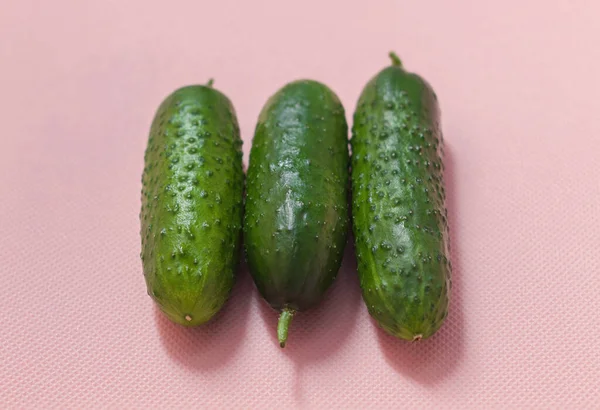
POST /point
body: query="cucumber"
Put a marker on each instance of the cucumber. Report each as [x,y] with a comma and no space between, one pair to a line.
[398,207]
[296,220]
[191,213]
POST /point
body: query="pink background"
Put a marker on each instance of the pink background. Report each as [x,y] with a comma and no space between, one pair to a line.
[519,87]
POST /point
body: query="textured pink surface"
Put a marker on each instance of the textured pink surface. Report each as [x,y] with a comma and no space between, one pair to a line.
[519,85]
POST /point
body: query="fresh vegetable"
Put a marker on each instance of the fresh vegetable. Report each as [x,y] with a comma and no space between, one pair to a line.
[296,219]
[398,206]
[192,204]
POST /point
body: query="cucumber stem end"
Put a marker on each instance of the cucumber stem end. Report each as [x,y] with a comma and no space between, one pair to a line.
[395,59]
[282,327]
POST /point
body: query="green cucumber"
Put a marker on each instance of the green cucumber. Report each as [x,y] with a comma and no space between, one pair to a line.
[398,206]
[191,213]
[296,220]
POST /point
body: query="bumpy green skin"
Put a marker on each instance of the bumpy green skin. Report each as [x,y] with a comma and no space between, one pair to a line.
[398,207]
[192,204]
[296,220]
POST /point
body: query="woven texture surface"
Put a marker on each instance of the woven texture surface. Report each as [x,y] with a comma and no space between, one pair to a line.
[518,85]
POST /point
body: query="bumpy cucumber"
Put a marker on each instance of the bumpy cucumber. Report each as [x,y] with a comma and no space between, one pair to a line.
[398,206]
[296,220]
[192,204]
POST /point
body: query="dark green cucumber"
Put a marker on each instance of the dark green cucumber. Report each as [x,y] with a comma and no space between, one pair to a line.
[192,204]
[296,220]
[398,206]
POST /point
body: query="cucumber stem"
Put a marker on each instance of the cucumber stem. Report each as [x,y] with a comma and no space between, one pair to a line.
[284,322]
[395,59]
[210,82]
